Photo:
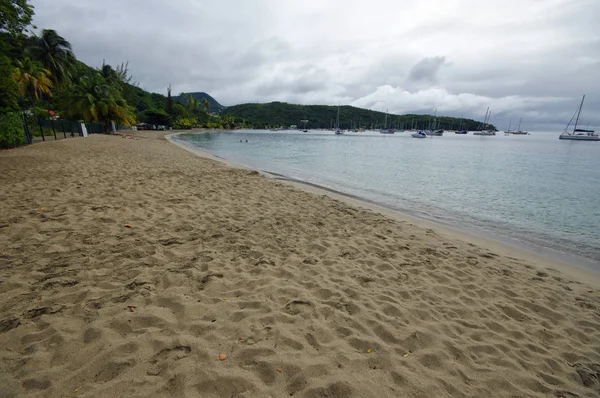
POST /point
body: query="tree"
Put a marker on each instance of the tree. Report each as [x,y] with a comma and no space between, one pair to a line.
[8,86]
[108,73]
[169,107]
[96,100]
[192,103]
[123,74]
[15,16]
[55,54]
[205,105]
[32,79]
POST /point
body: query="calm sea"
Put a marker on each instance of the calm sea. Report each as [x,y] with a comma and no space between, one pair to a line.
[534,190]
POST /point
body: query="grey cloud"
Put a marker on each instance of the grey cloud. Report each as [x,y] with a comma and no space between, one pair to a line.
[523,59]
[426,69]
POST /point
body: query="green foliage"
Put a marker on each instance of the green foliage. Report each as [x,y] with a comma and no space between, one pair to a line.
[182,123]
[15,16]
[8,87]
[33,80]
[11,130]
[156,116]
[93,99]
[210,105]
[55,55]
[275,114]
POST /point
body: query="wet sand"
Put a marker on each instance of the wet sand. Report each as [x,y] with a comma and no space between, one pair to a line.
[129,265]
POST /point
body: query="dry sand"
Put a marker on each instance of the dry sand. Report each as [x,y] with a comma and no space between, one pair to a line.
[306,295]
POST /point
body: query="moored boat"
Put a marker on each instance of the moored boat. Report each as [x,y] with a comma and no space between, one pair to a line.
[578,134]
[419,134]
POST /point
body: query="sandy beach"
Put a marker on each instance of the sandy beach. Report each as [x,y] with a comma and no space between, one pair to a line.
[133,268]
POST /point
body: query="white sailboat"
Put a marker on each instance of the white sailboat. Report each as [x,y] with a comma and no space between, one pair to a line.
[385,130]
[435,131]
[579,134]
[518,131]
[488,115]
[337,123]
[507,131]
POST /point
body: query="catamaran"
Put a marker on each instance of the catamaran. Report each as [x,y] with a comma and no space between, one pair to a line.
[579,134]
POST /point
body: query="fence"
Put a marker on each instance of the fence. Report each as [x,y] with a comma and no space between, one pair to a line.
[48,128]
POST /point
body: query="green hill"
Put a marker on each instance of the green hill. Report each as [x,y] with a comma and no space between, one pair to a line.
[213,105]
[275,114]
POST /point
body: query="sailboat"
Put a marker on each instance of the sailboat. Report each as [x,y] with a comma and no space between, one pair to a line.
[461,130]
[385,130]
[507,132]
[435,130]
[518,131]
[579,134]
[488,116]
[337,123]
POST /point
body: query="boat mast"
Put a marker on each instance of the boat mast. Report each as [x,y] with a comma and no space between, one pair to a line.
[578,112]
[337,121]
[481,126]
[385,121]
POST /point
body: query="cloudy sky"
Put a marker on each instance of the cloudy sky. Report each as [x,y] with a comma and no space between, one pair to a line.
[522,58]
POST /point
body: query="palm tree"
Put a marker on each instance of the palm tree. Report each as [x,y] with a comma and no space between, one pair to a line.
[192,102]
[32,79]
[96,100]
[55,54]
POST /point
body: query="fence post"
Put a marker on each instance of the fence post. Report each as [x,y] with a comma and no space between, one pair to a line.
[41,129]
[71,127]
[54,130]
[26,129]
[62,123]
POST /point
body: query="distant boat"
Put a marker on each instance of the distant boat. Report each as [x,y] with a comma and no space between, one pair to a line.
[460,128]
[579,134]
[385,130]
[507,132]
[419,134]
[484,124]
[337,123]
[433,130]
[519,132]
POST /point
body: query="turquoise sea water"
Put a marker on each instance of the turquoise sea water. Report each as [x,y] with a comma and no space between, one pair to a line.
[534,190]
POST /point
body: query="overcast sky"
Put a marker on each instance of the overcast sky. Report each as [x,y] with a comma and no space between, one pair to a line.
[522,58]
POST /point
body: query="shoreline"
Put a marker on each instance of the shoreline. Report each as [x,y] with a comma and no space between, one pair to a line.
[575,266]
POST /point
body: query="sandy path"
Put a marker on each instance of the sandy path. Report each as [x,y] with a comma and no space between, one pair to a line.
[308,296]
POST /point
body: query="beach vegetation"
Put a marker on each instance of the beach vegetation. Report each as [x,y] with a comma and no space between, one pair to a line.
[95,99]
[55,55]
[11,130]
[15,16]
[33,80]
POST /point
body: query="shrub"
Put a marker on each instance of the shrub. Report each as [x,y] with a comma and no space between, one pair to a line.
[11,130]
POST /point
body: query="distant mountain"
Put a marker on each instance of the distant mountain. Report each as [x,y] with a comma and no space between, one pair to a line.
[213,105]
[275,114]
